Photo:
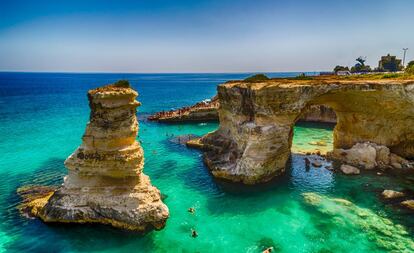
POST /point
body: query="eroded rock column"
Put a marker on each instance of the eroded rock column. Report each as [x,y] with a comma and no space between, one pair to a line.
[105,183]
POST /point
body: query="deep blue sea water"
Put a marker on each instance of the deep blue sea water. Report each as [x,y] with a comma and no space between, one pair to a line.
[42,119]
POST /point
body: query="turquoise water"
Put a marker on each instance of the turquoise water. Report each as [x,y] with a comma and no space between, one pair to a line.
[42,119]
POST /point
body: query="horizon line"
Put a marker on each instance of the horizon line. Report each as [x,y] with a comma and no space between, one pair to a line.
[102,72]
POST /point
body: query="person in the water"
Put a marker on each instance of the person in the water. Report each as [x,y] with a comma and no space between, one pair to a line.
[194,233]
[191,210]
[268,250]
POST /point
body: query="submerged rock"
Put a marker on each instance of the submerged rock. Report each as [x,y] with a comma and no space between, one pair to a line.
[317,164]
[382,231]
[349,170]
[408,204]
[34,198]
[390,194]
[105,183]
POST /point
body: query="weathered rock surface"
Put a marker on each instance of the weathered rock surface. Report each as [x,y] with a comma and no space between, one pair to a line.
[319,113]
[208,111]
[368,156]
[105,183]
[254,139]
[390,194]
[349,170]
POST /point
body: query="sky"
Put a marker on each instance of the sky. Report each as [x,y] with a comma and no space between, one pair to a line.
[158,36]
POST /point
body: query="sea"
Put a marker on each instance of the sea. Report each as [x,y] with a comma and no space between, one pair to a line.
[43,117]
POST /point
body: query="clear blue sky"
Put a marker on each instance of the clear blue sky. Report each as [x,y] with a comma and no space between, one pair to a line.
[200,36]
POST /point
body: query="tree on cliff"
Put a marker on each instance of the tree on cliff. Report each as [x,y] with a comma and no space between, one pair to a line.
[410,68]
[360,66]
[340,68]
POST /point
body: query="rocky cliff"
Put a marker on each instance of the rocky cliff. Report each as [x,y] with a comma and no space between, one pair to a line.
[208,111]
[105,183]
[199,112]
[254,139]
[318,113]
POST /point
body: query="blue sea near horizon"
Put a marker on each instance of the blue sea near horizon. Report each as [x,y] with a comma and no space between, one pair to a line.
[43,117]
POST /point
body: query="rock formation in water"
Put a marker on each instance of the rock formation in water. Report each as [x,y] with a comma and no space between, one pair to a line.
[349,170]
[200,112]
[408,204]
[390,194]
[105,183]
[208,111]
[253,141]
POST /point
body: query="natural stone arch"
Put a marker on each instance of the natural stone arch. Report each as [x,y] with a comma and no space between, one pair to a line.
[254,138]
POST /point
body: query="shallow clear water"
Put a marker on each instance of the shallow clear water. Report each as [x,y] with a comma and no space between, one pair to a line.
[42,119]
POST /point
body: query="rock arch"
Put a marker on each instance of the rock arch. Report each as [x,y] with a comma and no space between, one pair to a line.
[254,138]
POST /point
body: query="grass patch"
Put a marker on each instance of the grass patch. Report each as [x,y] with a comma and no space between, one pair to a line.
[376,76]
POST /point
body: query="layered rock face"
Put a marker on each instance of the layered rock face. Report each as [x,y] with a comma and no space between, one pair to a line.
[254,139]
[105,183]
[208,111]
[319,113]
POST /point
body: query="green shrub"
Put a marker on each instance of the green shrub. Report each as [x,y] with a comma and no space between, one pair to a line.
[122,84]
[410,69]
[394,75]
[303,76]
[257,78]
[340,68]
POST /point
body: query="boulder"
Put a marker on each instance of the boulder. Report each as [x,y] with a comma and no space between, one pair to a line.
[369,155]
[408,204]
[317,163]
[349,170]
[390,194]
[362,155]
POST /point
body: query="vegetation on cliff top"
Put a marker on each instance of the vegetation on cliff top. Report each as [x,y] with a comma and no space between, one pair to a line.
[256,78]
[122,84]
[407,75]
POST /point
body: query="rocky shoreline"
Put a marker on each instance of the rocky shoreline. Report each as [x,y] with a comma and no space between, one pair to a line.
[200,112]
[105,183]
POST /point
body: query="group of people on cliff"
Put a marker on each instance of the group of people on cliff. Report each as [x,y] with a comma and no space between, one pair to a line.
[207,104]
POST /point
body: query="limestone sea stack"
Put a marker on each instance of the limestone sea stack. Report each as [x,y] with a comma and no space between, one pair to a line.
[105,183]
